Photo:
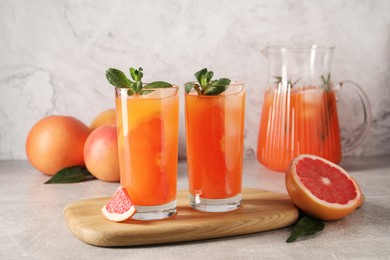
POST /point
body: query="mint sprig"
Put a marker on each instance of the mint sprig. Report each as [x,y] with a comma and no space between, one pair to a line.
[290,84]
[326,83]
[206,85]
[135,86]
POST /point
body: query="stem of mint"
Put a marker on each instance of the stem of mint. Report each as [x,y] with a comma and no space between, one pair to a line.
[290,84]
[326,82]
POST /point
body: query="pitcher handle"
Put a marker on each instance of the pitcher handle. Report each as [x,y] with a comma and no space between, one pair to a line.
[366,119]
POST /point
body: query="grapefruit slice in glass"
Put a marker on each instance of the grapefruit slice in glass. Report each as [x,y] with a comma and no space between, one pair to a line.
[119,207]
[321,188]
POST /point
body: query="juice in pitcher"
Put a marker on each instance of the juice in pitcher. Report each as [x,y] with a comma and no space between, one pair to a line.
[299,114]
[302,120]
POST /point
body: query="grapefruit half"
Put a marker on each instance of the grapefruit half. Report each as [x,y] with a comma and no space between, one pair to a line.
[119,207]
[321,188]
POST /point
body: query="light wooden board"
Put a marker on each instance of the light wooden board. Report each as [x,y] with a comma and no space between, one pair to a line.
[260,211]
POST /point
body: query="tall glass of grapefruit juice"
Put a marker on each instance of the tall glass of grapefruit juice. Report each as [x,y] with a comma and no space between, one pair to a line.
[215,136]
[299,114]
[148,150]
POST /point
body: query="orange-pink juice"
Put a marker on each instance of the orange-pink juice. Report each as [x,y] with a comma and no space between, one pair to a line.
[302,121]
[148,145]
[215,136]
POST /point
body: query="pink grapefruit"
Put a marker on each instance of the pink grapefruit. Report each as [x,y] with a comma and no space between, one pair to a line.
[119,207]
[321,188]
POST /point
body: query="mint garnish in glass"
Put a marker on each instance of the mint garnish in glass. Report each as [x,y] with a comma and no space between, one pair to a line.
[326,84]
[207,86]
[135,86]
[290,84]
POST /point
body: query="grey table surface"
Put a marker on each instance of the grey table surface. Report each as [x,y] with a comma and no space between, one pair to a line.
[32,222]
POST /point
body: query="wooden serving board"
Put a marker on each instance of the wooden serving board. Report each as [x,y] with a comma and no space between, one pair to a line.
[260,211]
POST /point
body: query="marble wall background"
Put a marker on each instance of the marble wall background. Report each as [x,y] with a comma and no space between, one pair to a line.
[53,54]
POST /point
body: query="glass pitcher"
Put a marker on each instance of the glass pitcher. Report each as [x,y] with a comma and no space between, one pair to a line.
[299,113]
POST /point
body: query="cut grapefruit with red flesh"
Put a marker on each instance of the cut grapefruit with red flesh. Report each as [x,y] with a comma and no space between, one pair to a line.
[321,188]
[119,207]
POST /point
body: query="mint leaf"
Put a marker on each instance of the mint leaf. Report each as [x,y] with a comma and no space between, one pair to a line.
[209,91]
[215,90]
[145,92]
[158,84]
[290,84]
[207,86]
[188,86]
[117,78]
[305,226]
[138,86]
[221,82]
[130,92]
[140,74]
[133,87]
[133,74]
[136,75]
[326,82]
[208,76]
[199,75]
[71,175]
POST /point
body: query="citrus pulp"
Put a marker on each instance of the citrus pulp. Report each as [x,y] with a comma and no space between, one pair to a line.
[119,207]
[321,188]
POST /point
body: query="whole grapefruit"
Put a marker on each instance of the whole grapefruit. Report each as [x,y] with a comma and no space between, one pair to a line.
[322,188]
[101,153]
[56,142]
[107,117]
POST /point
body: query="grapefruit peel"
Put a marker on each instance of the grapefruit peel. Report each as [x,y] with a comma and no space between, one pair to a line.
[310,203]
[120,207]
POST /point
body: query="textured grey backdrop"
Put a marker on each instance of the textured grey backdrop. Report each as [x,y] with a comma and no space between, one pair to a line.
[53,55]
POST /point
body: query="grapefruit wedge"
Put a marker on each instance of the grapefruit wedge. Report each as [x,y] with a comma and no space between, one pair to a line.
[321,188]
[119,207]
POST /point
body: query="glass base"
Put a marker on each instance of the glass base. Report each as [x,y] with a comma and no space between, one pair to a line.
[215,205]
[155,212]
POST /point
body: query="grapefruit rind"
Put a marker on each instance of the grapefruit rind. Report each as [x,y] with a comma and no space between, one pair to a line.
[115,217]
[120,216]
[313,205]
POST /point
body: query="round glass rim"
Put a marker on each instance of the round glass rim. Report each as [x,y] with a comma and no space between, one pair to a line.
[299,47]
[233,83]
[123,92]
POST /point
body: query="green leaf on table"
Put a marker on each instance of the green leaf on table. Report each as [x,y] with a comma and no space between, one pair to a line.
[305,226]
[71,175]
